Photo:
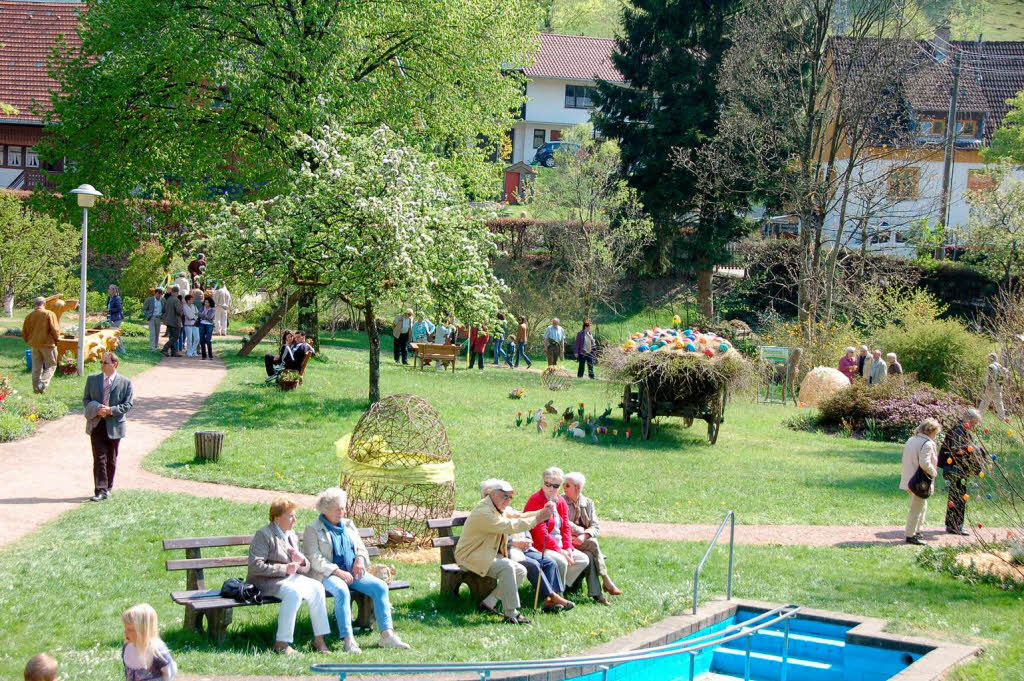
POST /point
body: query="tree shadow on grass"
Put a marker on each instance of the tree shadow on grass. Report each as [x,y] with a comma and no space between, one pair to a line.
[256,406]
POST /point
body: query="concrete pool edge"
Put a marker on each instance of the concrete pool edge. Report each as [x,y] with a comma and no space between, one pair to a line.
[938,658]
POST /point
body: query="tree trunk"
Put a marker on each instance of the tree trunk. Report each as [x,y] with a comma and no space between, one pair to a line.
[374,337]
[9,303]
[705,294]
[309,318]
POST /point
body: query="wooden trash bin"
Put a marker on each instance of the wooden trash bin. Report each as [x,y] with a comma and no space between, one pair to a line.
[209,444]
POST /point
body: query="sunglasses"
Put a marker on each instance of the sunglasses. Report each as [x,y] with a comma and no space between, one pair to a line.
[553,485]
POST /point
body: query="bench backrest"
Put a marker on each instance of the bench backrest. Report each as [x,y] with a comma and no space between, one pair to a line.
[446,539]
[432,351]
[195,564]
[305,361]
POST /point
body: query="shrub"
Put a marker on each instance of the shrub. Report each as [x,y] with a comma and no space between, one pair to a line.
[891,411]
[941,352]
[128,329]
[96,301]
[45,408]
[146,269]
[13,426]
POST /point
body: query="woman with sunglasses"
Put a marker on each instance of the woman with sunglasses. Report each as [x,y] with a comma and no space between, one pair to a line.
[553,538]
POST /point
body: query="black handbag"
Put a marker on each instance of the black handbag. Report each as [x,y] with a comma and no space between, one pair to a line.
[921,484]
[238,590]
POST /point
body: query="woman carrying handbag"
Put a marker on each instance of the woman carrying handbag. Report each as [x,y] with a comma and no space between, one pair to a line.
[920,459]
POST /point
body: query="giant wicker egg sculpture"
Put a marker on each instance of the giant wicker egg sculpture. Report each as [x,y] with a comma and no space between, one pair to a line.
[397,469]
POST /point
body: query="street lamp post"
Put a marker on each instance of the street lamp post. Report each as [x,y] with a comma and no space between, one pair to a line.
[87,195]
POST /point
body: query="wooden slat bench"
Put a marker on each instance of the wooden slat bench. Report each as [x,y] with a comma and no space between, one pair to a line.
[200,601]
[452,576]
[435,353]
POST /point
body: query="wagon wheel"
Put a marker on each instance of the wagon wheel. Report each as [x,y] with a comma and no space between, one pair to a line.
[715,417]
[627,403]
[646,411]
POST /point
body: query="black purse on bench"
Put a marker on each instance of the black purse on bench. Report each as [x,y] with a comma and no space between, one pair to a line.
[237,590]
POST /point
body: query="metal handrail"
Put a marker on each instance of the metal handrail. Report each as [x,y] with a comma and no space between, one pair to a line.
[604,662]
[730,518]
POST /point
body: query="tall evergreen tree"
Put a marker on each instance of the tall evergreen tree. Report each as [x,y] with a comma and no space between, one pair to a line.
[668,54]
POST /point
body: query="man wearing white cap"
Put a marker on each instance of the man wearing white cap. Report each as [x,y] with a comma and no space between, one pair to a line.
[483,547]
[994,387]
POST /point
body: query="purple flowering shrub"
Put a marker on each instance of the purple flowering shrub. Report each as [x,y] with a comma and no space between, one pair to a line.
[890,411]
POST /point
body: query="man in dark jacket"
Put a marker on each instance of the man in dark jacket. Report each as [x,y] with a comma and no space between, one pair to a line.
[172,320]
[960,458]
[107,400]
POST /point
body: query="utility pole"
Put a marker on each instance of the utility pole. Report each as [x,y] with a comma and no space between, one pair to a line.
[947,166]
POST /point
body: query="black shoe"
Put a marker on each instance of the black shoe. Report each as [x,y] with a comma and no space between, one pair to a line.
[602,599]
[97,497]
[484,608]
[961,531]
[518,619]
[553,608]
[107,494]
[917,541]
[569,605]
[174,354]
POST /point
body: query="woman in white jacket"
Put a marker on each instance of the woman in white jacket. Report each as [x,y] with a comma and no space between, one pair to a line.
[919,452]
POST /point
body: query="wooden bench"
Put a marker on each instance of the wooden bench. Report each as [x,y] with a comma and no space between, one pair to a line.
[452,576]
[199,601]
[435,353]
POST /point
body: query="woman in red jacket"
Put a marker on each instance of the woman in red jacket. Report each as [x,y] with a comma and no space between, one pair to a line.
[478,346]
[553,537]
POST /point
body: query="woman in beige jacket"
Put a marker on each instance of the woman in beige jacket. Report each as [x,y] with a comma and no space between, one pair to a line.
[338,558]
[919,452]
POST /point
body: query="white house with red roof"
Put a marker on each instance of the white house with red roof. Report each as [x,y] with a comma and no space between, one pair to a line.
[559,90]
[28,33]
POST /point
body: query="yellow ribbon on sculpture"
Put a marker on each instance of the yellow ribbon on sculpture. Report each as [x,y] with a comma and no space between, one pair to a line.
[420,474]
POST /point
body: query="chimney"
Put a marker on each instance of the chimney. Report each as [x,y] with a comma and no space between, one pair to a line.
[940,44]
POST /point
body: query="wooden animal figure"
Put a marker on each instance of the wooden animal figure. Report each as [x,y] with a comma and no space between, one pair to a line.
[541,423]
[549,408]
[605,418]
[569,415]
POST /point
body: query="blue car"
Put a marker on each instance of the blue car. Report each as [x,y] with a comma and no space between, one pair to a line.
[545,155]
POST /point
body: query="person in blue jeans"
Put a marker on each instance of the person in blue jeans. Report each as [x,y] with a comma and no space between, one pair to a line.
[338,557]
[522,336]
[500,332]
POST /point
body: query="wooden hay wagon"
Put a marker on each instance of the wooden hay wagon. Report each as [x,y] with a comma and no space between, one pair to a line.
[651,397]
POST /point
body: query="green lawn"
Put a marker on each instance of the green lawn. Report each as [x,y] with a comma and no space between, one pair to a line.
[765,471]
[69,582]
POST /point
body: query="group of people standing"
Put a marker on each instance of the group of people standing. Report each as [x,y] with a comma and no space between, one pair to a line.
[869,366]
[503,346]
[191,318]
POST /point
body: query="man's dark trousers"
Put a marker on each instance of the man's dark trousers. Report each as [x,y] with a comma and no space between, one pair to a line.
[173,332]
[402,347]
[104,458]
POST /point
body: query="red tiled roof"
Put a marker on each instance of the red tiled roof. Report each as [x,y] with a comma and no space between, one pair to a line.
[574,57]
[28,31]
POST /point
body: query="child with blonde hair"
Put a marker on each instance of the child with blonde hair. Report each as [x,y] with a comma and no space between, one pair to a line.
[144,654]
[42,667]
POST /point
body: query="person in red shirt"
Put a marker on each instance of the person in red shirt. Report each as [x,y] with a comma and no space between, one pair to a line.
[848,364]
[553,537]
[478,343]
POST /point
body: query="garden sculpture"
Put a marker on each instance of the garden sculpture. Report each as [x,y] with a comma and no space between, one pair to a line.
[820,384]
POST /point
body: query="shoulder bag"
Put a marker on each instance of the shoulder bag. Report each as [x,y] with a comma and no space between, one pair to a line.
[921,484]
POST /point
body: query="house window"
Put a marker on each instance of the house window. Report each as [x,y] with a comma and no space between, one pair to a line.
[881,237]
[556,135]
[979,180]
[968,129]
[903,183]
[579,97]
[3,159]
[31,158]
[901,237]
[932,127]
[14,156]
[538,137]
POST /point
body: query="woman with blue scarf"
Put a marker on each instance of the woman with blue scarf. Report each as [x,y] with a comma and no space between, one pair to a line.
[338,557]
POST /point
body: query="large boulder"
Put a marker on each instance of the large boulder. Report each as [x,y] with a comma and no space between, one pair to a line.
[820,384]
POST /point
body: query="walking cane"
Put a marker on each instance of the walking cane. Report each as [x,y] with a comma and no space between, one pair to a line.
[536,594]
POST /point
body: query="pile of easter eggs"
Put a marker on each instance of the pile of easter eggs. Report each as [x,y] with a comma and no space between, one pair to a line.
[676,341]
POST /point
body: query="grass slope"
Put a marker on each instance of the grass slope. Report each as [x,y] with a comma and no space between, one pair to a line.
[69,582]
[765,471]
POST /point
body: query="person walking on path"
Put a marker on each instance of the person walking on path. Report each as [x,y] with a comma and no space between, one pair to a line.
[994,387]
[895,368]
[400,329]
[522,338]
[222,297]
[960,458]
[877,373]
[152,309]
[190,321]
[171,315]
[107,400]
[919,453]
[848,364]
[207,314]
[501,330]
[115,311]
[41,332]
[554,342]
[478,346]
[584,350]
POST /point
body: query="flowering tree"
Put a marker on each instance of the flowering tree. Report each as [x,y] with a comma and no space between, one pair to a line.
[370,221]
[996,228]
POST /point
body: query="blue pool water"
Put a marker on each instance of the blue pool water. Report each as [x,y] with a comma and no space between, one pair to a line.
[818,651]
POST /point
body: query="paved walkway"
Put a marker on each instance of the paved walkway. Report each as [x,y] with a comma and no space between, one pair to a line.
[51,472]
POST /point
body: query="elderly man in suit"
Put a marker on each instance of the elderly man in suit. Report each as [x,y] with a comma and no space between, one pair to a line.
[107,401]
[483,547]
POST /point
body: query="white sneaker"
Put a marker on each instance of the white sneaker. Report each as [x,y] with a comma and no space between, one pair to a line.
[392,641]
[351,646]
